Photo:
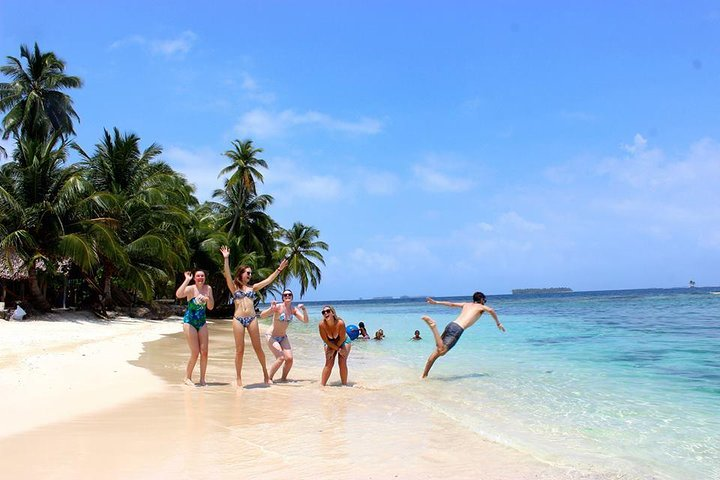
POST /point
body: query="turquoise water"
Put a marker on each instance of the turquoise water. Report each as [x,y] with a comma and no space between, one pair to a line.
[619,384]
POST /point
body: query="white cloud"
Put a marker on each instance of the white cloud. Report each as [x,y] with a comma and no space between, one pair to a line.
[442,174]
[288,183]
[129,41]
[379,262]
[376,182]
[253,91]
[200,166]
[518,223]
[264,123]
[643,195]
[168,47]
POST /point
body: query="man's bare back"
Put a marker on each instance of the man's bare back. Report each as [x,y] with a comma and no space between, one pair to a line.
[469,314]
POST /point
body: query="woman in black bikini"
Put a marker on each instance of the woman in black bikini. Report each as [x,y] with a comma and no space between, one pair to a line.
[244,316]
[337,344]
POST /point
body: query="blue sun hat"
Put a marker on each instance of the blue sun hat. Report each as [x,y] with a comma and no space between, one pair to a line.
[352,331]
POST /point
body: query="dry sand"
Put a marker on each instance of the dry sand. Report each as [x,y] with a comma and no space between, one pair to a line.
[85,398]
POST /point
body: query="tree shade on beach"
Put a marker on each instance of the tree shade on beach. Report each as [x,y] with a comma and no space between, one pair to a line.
[119,223]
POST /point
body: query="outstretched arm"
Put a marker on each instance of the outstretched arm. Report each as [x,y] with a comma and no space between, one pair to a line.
[443,302]
[181,292]
[494,315]
[271,278]
[226,268]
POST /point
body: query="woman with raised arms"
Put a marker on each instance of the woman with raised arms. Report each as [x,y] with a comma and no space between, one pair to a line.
[199,297]
[277,337]
[244,317]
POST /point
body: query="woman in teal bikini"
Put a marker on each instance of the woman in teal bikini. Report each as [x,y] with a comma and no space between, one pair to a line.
[277,334]
[244,317]
[337,344]
[199,297]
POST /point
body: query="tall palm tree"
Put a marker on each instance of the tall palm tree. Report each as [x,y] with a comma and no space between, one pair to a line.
[34,101]
[245,165]
[39,199]
[301,242]
[242,215]
[142,242]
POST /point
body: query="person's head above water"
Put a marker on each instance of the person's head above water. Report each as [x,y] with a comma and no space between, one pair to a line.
[479,297]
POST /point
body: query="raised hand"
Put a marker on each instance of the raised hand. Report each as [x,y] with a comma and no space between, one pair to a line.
[225,251]
[188,276]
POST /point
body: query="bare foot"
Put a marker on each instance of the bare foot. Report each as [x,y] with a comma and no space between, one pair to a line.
[202,383]
[429,321]
[189,382]
[238,383]
[268,381]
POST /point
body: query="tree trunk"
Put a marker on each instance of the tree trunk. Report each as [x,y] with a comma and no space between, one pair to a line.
[36,296]
[107,295]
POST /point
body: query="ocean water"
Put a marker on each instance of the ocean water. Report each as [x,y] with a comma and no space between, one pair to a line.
[615,384]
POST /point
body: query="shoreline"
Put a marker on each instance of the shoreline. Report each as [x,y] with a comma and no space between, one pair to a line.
[88,389]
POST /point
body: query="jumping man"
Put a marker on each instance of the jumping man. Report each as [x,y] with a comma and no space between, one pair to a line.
[468,316]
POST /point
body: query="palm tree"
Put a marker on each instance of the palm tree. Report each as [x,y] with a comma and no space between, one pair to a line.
[243,217]
[300,241]
[245,165]
[141,242]
[34,99]
[39,200]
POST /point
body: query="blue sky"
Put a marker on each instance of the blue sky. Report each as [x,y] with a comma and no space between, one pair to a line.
[439,147]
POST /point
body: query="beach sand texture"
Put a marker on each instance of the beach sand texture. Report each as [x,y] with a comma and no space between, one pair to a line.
[92,399]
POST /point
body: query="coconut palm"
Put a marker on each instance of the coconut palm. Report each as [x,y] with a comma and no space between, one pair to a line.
[301,242]
[245,165]
[145,243]
[34,101]
[242,215]
[39,199]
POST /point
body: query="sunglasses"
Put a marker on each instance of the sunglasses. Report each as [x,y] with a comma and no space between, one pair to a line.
[287,295]
[326,312]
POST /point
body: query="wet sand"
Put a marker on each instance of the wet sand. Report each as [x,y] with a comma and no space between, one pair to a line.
[164,429]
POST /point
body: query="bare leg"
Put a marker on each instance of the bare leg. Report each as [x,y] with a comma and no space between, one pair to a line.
[430,361]
[288,363]
[204,338]
[239,334]
[342,363]
[440,349]
[433,327]
[277,351]
[254,330]
[329,362]
[191,335]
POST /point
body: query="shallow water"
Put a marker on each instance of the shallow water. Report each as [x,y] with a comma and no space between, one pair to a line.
[624,379]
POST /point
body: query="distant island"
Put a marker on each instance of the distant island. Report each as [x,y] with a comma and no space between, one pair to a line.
[517,291]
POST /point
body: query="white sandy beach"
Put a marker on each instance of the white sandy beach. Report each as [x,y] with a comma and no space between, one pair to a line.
[76,404]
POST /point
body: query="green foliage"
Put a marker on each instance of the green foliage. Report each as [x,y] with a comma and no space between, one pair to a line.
[121,218]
